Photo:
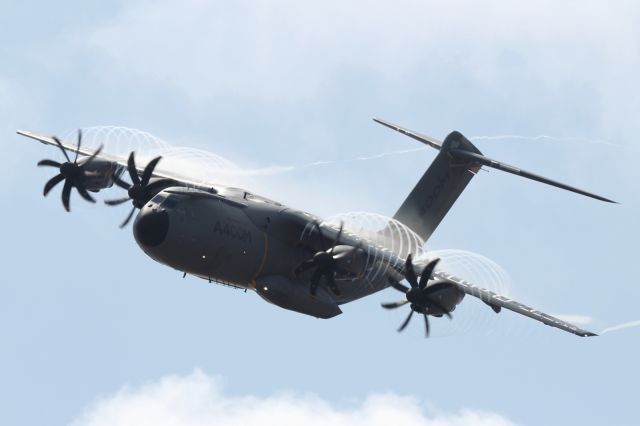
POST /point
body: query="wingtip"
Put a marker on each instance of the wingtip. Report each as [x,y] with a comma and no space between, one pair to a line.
[606,200]
[584,333]
[383,122]
[599,197]
[417,136]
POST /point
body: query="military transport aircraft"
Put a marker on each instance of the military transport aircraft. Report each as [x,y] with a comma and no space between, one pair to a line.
[290,258]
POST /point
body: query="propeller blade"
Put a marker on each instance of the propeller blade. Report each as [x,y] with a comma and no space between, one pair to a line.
[84,194]
[122,184]
[94,155]
[75,160]
[131,168]
[400,287]
[159,185]
[354,250]
[394,305]
[117,201]
[337,240]
[317,225]
[148,171]
[66,195]
[49,163]
[426,325]
[123,224]
[410,273]
[51,183]
[332,283]
[304,266]
[315,280]
[427,272]
[406,322]
[64,151]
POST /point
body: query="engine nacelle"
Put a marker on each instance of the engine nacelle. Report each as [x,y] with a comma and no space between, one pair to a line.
[447,296]
[98,174]
[350,259]
[295,296]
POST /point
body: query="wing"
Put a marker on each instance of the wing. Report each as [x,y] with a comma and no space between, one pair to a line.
[496,302]
[185,181]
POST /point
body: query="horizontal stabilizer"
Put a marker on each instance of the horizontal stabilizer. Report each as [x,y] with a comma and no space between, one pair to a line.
[465,156]
[470,157]
[434,143]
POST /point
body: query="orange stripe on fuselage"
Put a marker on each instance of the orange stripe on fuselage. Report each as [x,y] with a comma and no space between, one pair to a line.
[252,283]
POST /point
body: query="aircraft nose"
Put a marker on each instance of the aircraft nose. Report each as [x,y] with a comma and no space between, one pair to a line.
[151,227]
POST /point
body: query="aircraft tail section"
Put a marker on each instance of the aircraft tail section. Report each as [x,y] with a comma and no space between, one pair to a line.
[438,189]
[443,182]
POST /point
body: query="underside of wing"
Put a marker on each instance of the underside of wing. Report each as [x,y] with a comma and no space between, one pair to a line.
[496,302]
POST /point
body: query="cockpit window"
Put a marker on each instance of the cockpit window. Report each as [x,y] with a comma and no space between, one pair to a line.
[164,201]
[169,202]
[258,199]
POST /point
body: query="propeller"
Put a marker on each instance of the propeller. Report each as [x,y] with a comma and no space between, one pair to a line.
[325,262]
[141,190]
[419,294]
[71,172]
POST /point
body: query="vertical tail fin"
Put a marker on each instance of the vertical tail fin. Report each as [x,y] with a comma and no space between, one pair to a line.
[443,182]
[438,189]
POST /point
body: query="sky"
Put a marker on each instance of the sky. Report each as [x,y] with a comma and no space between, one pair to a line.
[96,333]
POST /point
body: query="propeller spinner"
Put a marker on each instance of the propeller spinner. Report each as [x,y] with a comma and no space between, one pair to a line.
[325,262]
[419,295]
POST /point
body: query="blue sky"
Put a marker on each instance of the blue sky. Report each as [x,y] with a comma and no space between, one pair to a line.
[85,314]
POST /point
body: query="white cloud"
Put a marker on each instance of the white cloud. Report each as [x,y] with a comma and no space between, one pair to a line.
[567,68]
[198,400]
[290,50]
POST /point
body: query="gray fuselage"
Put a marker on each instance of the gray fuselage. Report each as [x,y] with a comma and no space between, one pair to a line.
[238,238]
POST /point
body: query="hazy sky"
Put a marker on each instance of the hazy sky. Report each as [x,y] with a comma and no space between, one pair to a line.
[96,333]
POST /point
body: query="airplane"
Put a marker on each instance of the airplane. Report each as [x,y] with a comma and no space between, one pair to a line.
[289,257]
